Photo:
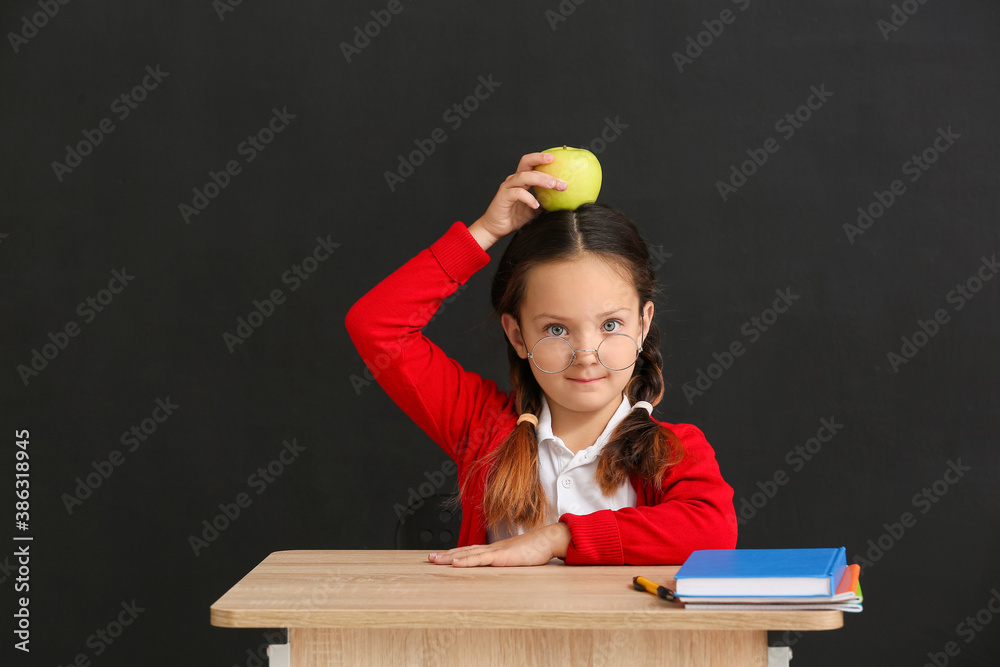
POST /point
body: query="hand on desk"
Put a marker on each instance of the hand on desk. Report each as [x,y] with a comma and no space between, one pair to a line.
[537,547]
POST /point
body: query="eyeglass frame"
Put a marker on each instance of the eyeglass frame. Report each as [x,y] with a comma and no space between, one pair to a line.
[638,351]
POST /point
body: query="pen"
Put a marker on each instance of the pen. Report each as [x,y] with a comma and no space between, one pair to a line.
[644,584]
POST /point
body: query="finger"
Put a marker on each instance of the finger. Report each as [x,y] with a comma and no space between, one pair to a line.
[528,199]
[538,179]
[444,558]
[474,560]
[440,559]
[529,161]
[468,547]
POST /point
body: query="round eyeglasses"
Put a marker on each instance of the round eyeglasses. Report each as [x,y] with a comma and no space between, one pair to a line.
[554,354]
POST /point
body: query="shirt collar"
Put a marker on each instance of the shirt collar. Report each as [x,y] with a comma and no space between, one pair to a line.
[544,430]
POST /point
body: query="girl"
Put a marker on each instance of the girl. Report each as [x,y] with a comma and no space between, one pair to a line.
[571,463]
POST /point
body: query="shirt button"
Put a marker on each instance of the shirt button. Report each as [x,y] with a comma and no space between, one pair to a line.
[567,482]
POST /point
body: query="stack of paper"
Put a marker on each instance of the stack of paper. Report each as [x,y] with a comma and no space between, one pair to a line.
[761,579]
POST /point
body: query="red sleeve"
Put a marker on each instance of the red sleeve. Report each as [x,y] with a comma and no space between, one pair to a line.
[444,400]
[695,512]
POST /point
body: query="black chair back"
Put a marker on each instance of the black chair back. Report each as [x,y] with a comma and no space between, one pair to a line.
[428,525]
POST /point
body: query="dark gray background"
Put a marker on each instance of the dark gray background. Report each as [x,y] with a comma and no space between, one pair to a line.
[298,375]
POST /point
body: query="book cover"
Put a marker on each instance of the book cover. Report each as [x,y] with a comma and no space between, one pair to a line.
[762,572]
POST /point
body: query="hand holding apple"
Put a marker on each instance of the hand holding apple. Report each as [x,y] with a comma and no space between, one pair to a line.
[581,171]
[514,205]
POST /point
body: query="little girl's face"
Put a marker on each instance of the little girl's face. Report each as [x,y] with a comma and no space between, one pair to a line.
[584,300]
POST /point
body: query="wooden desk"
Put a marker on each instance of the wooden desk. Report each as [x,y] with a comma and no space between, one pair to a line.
[395,608]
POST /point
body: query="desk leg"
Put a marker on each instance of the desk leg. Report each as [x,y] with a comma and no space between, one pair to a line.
[322,647]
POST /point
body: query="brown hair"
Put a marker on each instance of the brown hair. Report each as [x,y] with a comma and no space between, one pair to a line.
[639,445]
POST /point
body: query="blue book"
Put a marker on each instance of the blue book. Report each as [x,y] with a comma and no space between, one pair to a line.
[761,572]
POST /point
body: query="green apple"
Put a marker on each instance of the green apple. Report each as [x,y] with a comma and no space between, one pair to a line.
[582,173]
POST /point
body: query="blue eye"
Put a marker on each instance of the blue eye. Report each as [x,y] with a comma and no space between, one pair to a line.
[615,324]
[556,329]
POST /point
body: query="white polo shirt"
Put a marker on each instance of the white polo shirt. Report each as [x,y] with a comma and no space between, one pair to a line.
[569,479]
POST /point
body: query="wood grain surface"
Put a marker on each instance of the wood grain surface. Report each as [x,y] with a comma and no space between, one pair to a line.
[401,589]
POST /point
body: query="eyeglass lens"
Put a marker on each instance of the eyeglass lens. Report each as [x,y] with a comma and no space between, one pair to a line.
[554,355]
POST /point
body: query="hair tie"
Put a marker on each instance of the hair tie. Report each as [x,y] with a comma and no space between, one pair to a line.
[528,417]
[645,406]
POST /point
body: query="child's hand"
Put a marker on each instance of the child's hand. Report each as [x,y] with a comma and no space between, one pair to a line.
[537,547]
[513,205]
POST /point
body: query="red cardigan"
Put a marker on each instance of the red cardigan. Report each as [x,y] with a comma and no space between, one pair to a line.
[468,416]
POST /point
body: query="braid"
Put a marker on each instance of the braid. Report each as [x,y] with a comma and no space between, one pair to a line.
[646,383]
[639,445]
[514,493]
